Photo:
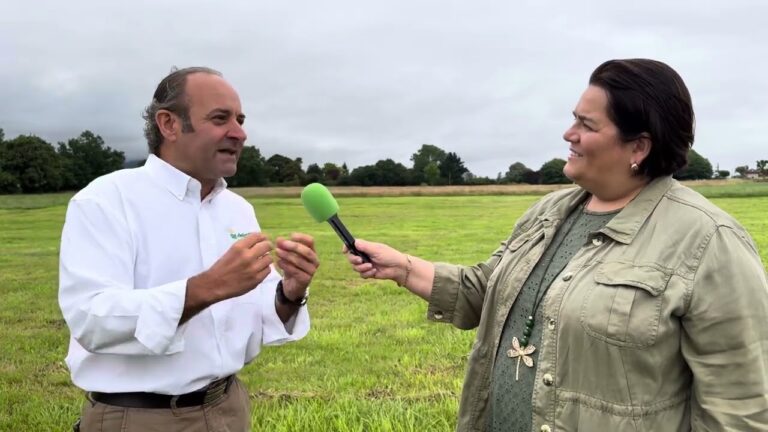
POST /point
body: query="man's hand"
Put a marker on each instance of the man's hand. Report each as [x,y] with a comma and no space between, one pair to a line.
[298,261]
[244,266]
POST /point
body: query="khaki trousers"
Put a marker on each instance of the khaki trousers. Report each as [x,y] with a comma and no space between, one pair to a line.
[232,413]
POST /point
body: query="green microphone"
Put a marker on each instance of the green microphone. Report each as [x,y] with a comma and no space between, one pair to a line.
[321,205]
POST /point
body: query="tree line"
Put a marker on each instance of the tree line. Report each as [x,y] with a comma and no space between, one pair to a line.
[29,164]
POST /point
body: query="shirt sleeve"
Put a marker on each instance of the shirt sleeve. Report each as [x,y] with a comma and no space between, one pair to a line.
[725,338]
[105,312]
[274,331]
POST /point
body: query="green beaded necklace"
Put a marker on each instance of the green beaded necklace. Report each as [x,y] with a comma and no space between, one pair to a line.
[520,348]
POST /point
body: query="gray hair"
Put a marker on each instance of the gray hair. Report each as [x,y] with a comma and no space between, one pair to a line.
[170,95]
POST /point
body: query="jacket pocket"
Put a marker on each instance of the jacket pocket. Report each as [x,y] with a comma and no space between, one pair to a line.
[623,306]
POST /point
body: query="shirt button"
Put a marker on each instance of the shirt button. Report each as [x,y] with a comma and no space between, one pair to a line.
[567,277]
[548,380]
[597,241]
[551,324]
[545,428]
[438,315]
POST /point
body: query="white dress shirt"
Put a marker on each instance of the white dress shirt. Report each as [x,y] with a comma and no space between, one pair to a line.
[130,241]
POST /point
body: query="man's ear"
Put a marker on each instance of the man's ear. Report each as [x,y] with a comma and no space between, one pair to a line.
[641,147]
[169,124]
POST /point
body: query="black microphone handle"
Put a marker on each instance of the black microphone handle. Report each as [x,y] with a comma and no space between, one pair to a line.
[346,237]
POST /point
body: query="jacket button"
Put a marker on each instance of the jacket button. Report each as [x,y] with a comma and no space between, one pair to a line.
[597,241]
[551,324]
[438,315]
[567,277]
[545,428]
[548,380]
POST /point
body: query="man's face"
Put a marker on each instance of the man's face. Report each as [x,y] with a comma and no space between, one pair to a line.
[211,151]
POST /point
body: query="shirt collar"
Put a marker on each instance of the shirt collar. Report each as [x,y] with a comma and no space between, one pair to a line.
[177,182]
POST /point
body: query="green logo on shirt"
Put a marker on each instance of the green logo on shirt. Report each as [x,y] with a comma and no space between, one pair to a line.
[237,235]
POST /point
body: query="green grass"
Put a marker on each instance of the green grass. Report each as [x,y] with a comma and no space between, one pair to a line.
[371,362]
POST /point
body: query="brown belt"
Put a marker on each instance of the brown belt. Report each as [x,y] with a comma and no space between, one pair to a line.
[213,393]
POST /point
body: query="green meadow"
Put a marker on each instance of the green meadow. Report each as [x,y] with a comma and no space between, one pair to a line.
[371,362]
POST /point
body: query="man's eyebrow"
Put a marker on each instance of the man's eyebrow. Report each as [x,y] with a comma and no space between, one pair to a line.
[215,111]
[227,112]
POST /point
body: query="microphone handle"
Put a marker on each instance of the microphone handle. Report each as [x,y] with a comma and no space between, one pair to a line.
[347,238]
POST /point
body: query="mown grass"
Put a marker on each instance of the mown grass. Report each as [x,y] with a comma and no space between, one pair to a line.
[371,362]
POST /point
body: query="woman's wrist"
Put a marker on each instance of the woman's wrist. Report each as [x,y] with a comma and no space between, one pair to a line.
[407,268]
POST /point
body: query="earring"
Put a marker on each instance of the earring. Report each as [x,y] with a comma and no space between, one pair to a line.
[634,167]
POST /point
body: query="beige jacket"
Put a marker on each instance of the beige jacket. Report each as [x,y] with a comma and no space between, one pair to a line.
[659,323]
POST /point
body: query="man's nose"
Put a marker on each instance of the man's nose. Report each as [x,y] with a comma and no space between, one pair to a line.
[237,132]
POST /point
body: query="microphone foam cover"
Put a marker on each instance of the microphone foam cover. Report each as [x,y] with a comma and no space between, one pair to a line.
[319,202]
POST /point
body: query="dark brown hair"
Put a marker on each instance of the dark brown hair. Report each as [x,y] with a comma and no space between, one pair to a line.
[170,95]
[649,97]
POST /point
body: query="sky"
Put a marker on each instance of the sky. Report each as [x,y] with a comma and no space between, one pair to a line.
[355,82]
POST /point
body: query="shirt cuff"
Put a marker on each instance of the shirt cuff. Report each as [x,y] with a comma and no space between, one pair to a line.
[445,292]
[157,327]
[275,332]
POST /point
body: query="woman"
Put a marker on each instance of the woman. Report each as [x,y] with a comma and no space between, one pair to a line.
[628,303]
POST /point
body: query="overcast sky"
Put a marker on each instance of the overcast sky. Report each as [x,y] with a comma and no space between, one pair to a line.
[358,81]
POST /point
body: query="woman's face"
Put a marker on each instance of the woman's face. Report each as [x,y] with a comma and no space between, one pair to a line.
[597,158]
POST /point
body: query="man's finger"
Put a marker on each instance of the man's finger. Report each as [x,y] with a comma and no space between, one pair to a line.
[305,239]
[299,249]
[304,263]
[251,239]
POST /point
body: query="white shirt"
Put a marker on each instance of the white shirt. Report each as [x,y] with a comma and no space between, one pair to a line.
[130,241]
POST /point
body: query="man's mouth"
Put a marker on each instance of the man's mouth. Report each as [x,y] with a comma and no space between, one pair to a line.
[230,152]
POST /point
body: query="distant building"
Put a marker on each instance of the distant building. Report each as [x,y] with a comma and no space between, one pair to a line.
[752,174]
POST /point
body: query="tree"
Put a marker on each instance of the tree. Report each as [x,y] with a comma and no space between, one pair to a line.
[252,169]
[452,169]
[742,170]
[8,183]
[432,173]
[698,168]
[762,168]
[552,172]
[723,174]
[426,154]
[532,177]
[2,135]
[331,172]
[314,174]
[516,173]
[86,157]
[285,170]
[384,173]
[30,165]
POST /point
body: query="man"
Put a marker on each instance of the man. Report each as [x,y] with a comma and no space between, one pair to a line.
[166,281]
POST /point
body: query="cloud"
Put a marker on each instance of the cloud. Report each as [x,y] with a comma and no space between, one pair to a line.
[356,82]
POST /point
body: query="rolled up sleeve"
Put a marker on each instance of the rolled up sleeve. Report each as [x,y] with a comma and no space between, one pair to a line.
[106,314]
[725,339]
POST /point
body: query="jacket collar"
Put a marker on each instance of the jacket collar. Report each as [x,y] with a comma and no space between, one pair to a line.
[625,225]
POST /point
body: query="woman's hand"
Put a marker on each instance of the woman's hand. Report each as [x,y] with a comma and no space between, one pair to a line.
[386,262]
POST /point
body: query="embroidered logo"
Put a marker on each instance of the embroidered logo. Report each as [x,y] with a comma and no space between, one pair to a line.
[234,235]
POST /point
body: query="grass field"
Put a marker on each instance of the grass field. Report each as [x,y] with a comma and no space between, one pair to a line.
[371,362]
